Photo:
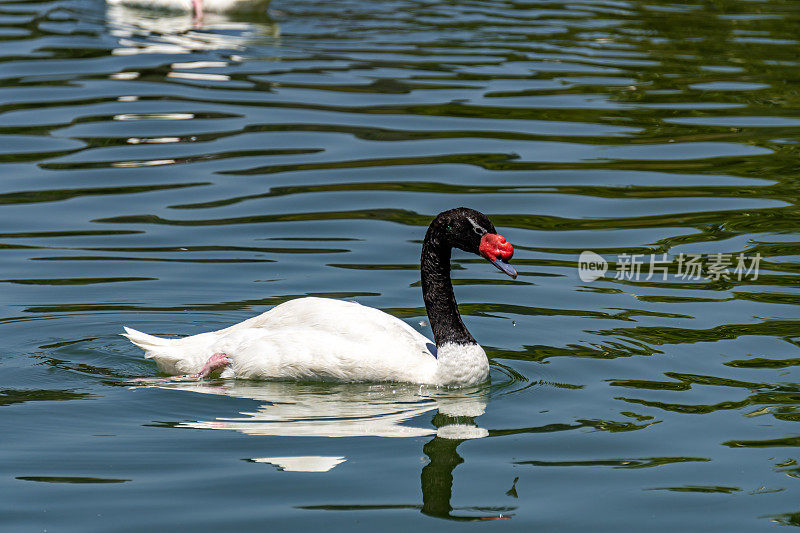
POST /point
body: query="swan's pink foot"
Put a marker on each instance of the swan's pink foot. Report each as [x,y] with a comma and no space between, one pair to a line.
[218,361]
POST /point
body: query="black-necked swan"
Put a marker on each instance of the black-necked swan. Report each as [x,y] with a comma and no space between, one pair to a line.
[332,340]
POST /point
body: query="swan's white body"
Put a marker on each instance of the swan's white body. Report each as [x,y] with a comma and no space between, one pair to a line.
[321,339]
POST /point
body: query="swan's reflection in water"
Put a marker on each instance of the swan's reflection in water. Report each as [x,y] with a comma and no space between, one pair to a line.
[151,31]
[354,410]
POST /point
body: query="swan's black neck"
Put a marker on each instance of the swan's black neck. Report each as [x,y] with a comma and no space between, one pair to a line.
[437,290]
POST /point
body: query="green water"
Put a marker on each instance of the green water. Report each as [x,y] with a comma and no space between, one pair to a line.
[177,178]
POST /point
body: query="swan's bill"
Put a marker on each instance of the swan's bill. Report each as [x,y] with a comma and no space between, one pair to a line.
[498,251]
[505,267]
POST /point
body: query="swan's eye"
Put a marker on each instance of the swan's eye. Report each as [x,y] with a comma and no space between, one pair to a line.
[477,228]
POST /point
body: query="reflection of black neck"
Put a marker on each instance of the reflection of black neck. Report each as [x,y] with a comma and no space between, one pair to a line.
[437,476]
[437,289]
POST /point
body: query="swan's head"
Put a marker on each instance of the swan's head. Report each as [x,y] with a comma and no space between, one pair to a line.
[473,232]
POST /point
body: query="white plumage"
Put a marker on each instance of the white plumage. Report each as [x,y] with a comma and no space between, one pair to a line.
[321,339]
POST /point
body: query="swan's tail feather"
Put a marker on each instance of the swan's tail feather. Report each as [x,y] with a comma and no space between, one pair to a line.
[168,354]
[185,355]
[151,345]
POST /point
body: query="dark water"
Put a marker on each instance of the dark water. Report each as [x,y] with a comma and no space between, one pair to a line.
[178,179]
